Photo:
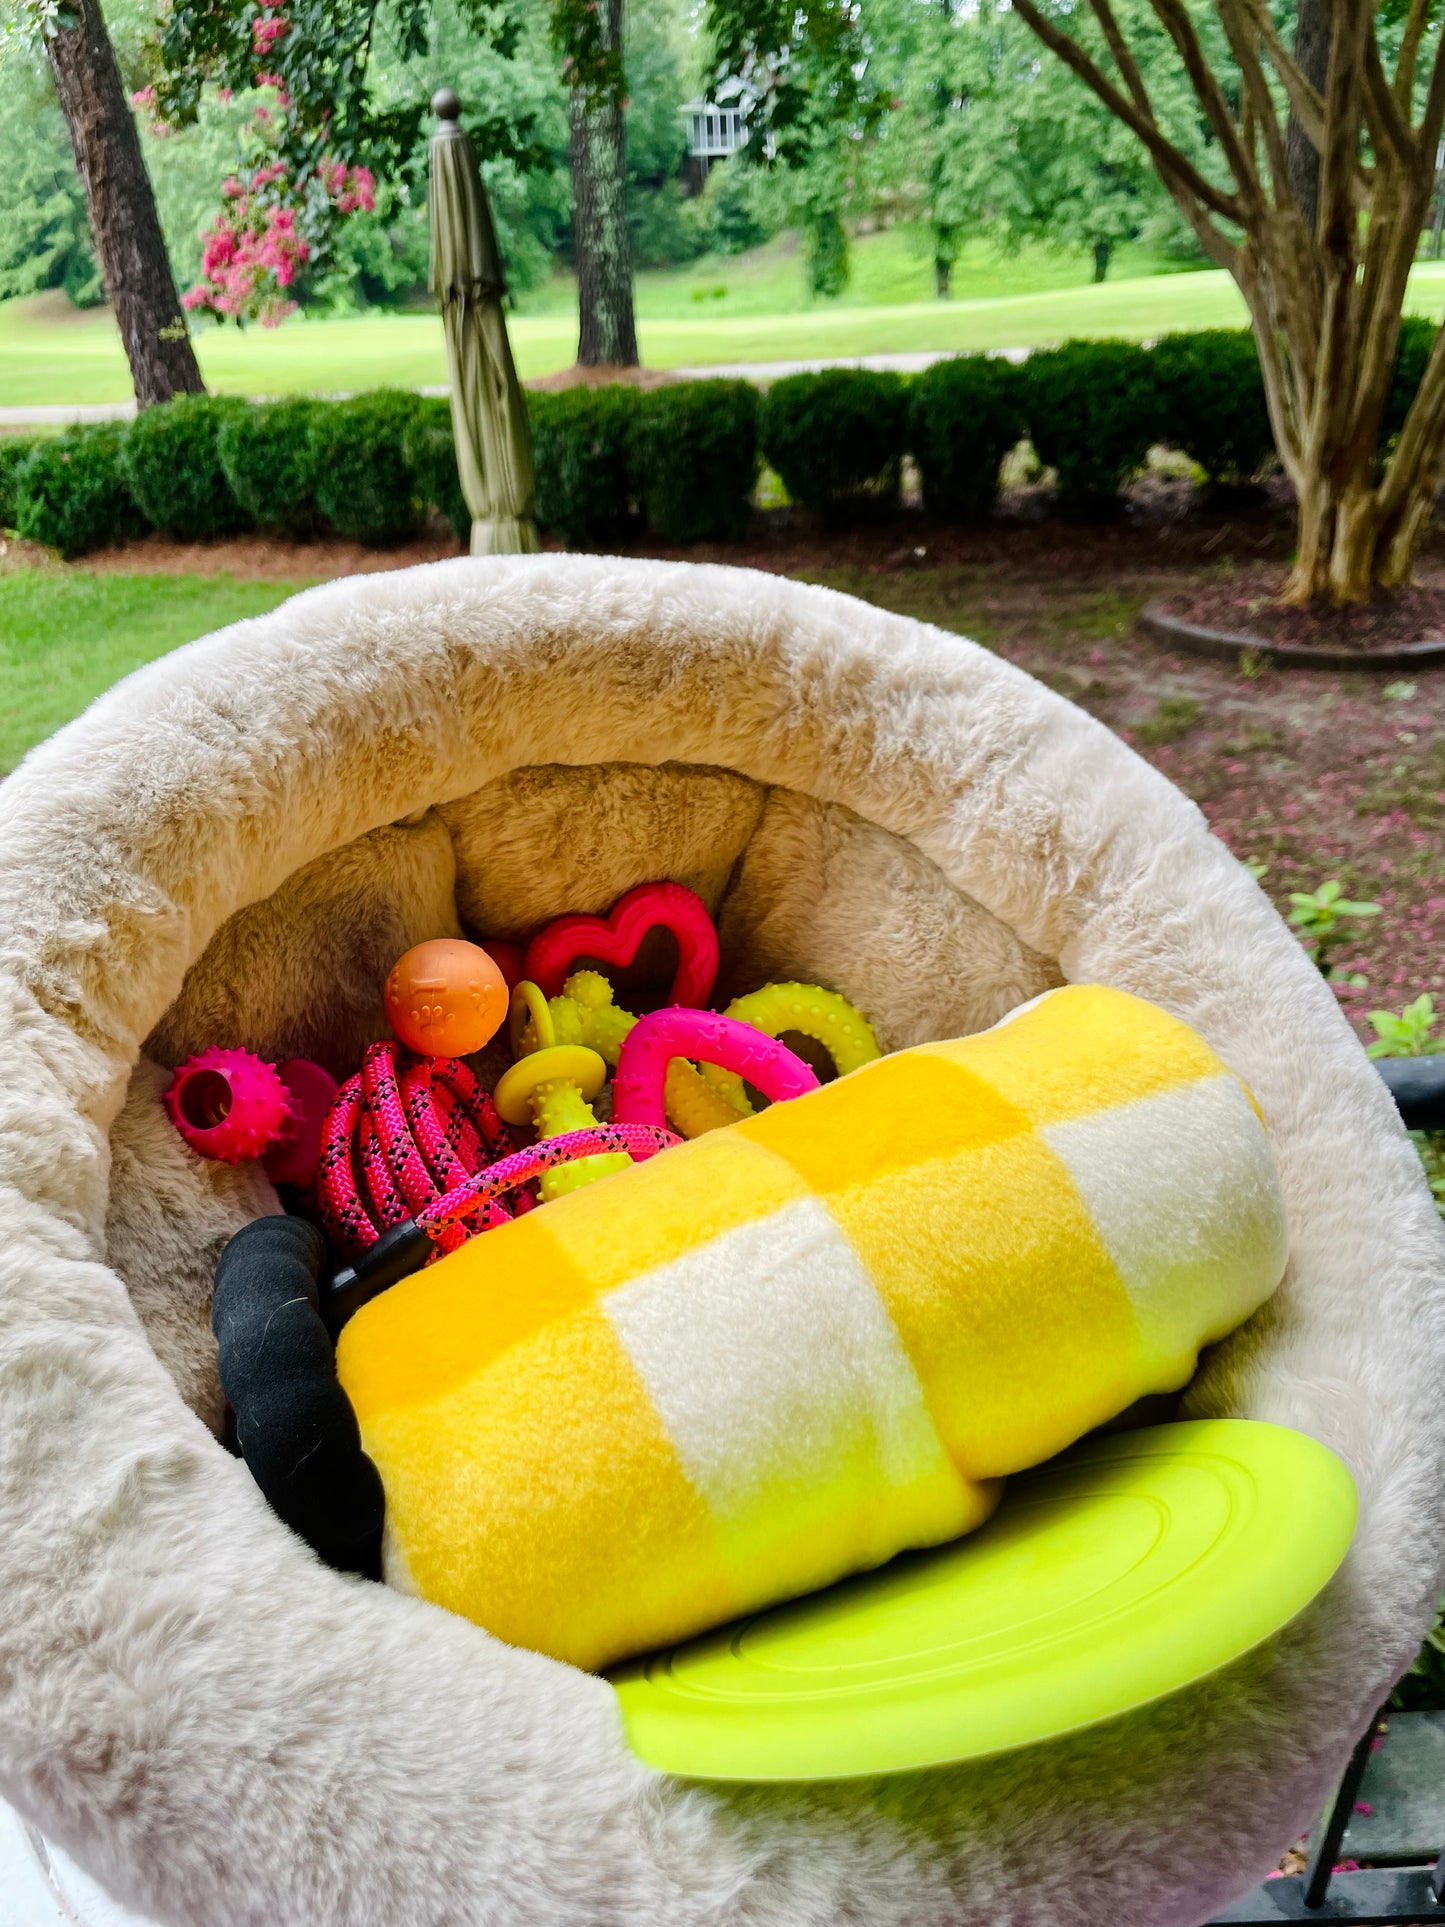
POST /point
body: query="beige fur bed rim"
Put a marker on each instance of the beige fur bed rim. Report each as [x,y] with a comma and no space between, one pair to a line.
[229,847]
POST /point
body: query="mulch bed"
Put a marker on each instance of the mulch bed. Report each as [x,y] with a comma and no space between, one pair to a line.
[1243,606]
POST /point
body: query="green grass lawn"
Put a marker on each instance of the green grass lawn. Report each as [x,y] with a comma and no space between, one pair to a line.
[65,636]
[748,308]
[745,308]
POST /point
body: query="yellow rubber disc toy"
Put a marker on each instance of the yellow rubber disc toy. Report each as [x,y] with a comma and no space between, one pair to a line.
[1108,1578]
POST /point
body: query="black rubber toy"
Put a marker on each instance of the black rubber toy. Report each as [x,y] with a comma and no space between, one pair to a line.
[294,1424]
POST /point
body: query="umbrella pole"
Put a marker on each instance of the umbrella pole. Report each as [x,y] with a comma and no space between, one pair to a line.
[490,429]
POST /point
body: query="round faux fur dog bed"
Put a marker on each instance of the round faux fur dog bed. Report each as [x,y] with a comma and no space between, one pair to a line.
[232,846]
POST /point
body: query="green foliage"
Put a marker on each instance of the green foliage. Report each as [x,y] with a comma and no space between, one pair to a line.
[666,226]
[1211,401]
[1417,338]
[267,457]
[1093,412]
[1410,1034]
[808,69]
[365,485]
[44,235]
[1000,140]
[73,494]
[825,251]
[1173,718]
[316,105]
[14,450]
[695,458]
[581,449]
[430,448]
[738,208]
[173,465]
[1323,919]
[836,436]
[966,415]
[1431,1146]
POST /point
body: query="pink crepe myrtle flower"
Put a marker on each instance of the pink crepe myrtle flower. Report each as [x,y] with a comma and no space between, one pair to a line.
[246,262]
[266,31]
[350,188]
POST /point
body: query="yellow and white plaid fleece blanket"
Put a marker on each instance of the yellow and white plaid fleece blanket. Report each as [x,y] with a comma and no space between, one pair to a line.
[790,1349]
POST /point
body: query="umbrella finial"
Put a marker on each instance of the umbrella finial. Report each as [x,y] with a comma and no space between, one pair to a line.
[446,104]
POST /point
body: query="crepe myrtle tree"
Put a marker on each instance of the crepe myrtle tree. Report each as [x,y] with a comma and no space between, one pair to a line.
[319,140]
[1326,164]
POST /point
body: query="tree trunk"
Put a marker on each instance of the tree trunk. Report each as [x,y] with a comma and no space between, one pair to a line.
[945,252]
[122,208]
[1102,251]
[1312,56]
[607,332]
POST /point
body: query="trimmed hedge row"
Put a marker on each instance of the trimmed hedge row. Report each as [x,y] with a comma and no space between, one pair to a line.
[681,460]
[684,459]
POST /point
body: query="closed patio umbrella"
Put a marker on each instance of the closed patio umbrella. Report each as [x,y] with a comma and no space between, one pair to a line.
[489,417]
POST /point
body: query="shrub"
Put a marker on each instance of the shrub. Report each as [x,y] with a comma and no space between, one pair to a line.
[695,458]
[836,437]
[266,455]
[1093,414]
[365,485]
[73,494]
[1211,401]
[14,449]
[173,465]
[581,445]
[1417,338]
[429,447]
[965,414]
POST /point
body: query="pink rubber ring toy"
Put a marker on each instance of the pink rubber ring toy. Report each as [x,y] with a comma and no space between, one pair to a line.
[616,939]
[654,1040]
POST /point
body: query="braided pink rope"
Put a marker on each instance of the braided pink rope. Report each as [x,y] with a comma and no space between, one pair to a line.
[418,1138]
[639,1141]
[399,1135]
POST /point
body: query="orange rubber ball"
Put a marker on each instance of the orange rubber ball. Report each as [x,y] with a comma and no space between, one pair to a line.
[445,998]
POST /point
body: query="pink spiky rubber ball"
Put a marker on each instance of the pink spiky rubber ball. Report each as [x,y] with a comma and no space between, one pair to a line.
[229,1105]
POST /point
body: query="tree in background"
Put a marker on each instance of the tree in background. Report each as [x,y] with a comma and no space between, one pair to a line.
[119,202]
[803,72]
[987,139]
[323,138]
[588,34]
[1321,247]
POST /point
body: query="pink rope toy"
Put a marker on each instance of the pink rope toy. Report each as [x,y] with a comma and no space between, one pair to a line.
[445,1222]
[401,1134]
[655,1040]
[417,1140]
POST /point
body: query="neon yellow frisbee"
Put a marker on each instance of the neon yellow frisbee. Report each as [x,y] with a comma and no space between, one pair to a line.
[1107,1578]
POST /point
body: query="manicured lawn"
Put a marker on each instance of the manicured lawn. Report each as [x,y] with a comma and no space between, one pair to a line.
[78,358]
[890,269]
[746,308]
[65,636]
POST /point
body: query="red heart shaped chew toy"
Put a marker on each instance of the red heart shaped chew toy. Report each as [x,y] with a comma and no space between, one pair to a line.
[615,939]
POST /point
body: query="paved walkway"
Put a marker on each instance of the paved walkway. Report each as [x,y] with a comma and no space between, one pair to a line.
[62,414]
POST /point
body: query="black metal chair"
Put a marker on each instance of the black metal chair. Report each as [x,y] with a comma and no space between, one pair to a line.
[1396,1841]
